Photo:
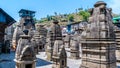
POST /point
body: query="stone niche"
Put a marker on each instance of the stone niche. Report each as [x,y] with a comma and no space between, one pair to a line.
[27,59]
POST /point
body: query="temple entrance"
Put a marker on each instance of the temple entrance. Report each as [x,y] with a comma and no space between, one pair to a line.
[63,62]
[28,66]
[40,47]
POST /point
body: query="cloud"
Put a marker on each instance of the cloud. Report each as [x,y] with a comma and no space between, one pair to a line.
[115,5]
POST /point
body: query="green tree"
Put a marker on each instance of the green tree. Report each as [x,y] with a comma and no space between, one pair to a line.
[80,9]
[115,15]
[71,18]
[85,14]
[55,13]
[35,20]
[49,18]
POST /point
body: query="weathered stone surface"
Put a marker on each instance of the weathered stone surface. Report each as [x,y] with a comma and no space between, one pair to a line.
[67,40]
[40,35]
[16,35]
[74,49]
[117,33]
[59,55]
[25,55]
[98,45]
[54,34]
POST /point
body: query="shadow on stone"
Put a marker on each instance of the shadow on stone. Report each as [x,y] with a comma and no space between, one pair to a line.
[118,66]
[41,62]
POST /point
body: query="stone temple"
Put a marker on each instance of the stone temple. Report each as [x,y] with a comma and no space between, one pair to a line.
[54,34]
[25,55]
[26,23]
[94,45]
[98,47]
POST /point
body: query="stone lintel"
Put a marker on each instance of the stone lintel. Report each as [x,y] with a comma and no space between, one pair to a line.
[26,62]
[73,51]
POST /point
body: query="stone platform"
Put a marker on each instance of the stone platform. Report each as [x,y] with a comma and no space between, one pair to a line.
[7,61]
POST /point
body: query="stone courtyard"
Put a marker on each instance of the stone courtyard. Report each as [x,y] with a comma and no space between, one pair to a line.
[94,44]
[7,61]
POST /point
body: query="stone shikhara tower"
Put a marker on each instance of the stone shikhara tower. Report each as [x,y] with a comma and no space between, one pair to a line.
[54,34]
[98,47]
[25,56]
[74,49]
[26,21]
[59,55]
[42,33]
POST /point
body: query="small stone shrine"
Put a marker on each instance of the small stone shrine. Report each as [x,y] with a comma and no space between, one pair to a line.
[74,49]
[67,41]
[54,34]
[37,39]
[41,29]
[25,56]
[59,56]
[49,48]
[41,32]
[99,46]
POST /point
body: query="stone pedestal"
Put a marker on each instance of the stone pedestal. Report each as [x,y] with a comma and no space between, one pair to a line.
[49,53]
[98,54]
[74,55]
[25,64]
[60,63]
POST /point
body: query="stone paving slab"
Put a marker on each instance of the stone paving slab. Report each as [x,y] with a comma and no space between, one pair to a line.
[8,61]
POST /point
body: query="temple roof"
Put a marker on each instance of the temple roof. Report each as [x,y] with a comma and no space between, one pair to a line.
[9,19]
[22,10]
[99,3]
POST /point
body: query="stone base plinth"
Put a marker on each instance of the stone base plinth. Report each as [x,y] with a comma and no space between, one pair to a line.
[98,54]
[118,55]
[25,64]
[58,66]
[74,55]
[49,55]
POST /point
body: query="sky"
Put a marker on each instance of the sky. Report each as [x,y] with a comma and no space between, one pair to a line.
[48,7]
